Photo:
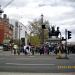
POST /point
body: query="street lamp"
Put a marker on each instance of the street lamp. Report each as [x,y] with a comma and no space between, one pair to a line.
[42,33]
[19,38]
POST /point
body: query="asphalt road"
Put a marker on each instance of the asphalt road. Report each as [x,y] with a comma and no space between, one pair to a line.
[36,64]
[15,73]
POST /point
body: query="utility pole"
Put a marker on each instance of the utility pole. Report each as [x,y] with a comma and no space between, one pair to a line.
[8,4]
[66,42]
[42,33]
[60,41]
[25,38]
[19,38]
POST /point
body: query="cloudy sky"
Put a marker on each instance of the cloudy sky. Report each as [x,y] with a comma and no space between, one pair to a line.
[58,12]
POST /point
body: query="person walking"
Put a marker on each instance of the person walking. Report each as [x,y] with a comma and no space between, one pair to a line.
[11,48]
[25,51]
[32,49]
[15,47]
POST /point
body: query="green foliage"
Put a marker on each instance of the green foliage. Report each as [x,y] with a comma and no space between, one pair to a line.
[35,28]
[34,40]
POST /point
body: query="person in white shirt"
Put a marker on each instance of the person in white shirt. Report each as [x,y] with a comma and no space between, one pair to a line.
[25,51]
[15,48]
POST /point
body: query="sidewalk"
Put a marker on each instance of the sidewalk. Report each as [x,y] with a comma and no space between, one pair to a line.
[8,53]
[5,53]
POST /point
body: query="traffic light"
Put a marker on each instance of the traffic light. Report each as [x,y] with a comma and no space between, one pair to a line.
[43,27]
[69,34]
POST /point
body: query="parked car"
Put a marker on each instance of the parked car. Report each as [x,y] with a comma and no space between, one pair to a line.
[5,47]
[1,47]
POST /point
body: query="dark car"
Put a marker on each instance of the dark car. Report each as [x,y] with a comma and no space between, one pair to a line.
[5,47]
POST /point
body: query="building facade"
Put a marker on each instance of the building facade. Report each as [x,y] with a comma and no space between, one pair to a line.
[6,30]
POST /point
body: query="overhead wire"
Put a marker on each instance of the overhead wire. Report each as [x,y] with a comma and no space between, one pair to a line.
[8,4]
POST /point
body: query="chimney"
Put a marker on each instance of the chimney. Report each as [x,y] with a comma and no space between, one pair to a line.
[4,16]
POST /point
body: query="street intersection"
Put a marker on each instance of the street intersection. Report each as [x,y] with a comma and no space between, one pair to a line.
[36,63]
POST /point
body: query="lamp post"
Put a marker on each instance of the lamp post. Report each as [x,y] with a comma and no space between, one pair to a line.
[42,33]
[25,37]
[19,38]
[66,42]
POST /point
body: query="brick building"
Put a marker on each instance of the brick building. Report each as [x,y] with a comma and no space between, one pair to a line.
[6,30]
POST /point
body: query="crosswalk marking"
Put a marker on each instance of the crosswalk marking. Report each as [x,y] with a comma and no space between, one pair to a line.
[29,64]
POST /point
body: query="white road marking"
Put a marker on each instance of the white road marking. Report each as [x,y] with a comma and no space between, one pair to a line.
[32,58]
[29,64]
[14,73]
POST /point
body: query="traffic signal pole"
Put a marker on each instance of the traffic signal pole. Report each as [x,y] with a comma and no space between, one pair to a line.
[66,43]
[42,34]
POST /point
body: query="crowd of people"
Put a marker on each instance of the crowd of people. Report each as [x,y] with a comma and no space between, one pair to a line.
[44,49]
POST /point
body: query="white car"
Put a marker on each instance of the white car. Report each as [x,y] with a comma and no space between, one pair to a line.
[1,47]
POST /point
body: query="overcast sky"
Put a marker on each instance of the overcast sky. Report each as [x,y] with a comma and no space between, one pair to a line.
[58,12]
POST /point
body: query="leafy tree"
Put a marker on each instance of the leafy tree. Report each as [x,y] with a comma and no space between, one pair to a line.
[35,28]
[34,40]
